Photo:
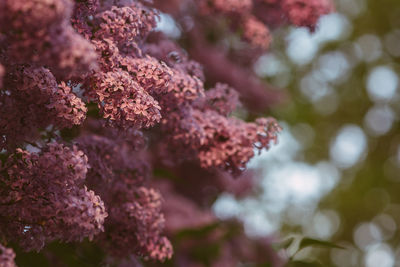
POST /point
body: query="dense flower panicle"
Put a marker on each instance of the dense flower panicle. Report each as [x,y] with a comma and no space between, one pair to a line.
[183,88]
[31,100]
[34,15]
[187,78]
[125,24]
[182,128]
[140,216]
[135,221]
[256,33]
[152,75]
[114,158]
[196,132]
[193,68]
[216,141]
[69,109]
[174,56]
[39,32]
[131,83]
[123,102]
[222,99]
[109,54]
[179,82]
[84,215]
[83,15]
[230,143]
[226,6]
[71,55]
[44,198]
[264,131]
[7,257]
[306,12]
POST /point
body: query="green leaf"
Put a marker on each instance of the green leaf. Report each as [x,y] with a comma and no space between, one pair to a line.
[304,264]
[310,242]
[197,232]
[206,254]
[266,264]
[164,173]
[284,244]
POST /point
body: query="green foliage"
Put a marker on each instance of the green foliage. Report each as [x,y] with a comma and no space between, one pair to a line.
[310,242]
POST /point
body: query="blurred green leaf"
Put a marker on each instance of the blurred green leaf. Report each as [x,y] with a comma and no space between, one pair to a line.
[310,242]
[206,254]
[197,232]
[284,244]
[304,264]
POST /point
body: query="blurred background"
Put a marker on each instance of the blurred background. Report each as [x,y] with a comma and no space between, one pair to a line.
[335,174]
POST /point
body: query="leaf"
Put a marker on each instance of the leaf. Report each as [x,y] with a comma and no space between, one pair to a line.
[206,254]
[197,232]
[266,264]
[310,242]
[304,264]
[284,244]
[164,173]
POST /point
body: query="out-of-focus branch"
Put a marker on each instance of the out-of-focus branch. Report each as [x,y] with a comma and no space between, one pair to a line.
[257,95]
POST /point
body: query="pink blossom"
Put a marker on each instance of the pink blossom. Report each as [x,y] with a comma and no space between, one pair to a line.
[306,12]
[7,256]
[44,198]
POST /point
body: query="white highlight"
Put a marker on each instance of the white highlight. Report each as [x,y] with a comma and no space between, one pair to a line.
[382,83]
[168,26]
[348,146]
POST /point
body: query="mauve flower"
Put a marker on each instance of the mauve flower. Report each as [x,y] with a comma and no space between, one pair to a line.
[216,141]
[39,32]
[44,199]
[222,99]
[256,33]
[119,171]
[32,99]
[7,257]
[123,102]
[124,24]
[226,6]
[306,12]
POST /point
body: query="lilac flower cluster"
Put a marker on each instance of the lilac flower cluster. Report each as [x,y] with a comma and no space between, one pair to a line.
[93,101]
[119,173]
[7,256]
[305,12]
[39,32]
[43,198]
[31,99]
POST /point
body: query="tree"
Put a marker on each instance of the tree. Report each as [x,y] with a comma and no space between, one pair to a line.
[111,131]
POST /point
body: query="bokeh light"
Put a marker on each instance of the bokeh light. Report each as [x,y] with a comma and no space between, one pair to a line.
[335,174]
